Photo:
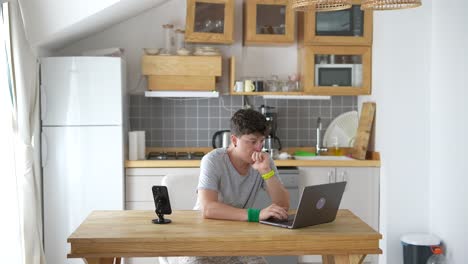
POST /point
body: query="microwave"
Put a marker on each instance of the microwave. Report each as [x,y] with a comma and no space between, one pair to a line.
[338,75]
[349,22]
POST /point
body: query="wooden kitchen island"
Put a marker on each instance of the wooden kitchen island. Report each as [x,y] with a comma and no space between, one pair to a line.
[106,236]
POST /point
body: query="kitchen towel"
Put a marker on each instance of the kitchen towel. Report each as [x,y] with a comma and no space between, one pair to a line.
[132,145]
[141,144]
[136,145]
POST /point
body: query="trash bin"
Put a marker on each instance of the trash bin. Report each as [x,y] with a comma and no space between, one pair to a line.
[417,247]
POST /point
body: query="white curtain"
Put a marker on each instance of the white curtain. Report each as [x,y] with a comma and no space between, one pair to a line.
[10,240]
[26,149]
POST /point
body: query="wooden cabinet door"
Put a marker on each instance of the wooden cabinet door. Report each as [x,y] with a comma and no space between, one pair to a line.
[345,27]
[336,70]
[268,22]
[210,21]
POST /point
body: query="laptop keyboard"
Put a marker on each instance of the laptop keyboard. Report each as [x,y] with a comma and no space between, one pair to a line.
[288,221]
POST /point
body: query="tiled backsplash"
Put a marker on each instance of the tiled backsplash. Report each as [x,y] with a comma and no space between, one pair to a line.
[191,122]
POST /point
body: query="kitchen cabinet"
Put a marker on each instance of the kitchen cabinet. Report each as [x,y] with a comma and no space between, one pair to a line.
[181,73]
[361,194]
[268,22]
[210,21]
[139,196]
[335,70]
[345,27]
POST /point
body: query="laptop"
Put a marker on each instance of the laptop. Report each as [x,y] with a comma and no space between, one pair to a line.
[318,205]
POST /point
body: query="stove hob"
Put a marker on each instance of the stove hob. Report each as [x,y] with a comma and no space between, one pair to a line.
[175,155]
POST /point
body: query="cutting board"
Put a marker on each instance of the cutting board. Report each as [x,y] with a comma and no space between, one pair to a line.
[364,131]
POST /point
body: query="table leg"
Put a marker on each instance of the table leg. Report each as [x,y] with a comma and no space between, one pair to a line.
[102,260]
[343,259]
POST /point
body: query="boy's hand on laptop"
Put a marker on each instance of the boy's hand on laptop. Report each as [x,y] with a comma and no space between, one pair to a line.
[274,211]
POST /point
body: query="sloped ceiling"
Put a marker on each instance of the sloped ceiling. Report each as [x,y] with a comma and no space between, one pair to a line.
[53,24]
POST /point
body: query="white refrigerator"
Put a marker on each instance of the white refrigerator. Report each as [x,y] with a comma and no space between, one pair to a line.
[83,113]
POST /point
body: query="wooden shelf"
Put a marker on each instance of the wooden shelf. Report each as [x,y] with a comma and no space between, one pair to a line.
[268,93]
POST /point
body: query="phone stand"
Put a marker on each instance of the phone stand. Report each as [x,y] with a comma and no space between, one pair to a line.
[160,220]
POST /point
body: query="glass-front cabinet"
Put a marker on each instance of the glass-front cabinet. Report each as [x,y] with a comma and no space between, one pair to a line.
[268,22]
[345,27]
[336,70]
[210,21]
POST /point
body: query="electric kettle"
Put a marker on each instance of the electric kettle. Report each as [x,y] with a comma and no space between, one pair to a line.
[221,139]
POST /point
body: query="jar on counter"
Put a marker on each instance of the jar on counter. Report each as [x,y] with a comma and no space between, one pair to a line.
[179,39]
[169,39]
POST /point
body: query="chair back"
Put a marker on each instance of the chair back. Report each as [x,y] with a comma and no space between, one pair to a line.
[182,189]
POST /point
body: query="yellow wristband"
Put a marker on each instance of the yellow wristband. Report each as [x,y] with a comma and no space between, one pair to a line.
[268,175]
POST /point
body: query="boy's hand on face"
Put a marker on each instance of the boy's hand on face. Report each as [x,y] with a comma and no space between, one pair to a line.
[261,162]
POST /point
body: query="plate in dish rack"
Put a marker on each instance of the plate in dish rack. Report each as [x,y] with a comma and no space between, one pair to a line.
[343,128]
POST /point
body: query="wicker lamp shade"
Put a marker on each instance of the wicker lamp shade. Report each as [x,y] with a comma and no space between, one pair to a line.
[333,5]
[320,5]
[389,4]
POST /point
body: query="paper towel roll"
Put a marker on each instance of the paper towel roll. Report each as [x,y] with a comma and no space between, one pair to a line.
[141,145]
[132,145]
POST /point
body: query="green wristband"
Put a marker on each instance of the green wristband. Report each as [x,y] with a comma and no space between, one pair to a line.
[253,215]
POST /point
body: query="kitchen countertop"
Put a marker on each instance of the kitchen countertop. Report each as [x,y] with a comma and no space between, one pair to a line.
[372,160]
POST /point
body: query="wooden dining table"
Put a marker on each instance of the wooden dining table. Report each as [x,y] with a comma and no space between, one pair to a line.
[105,237]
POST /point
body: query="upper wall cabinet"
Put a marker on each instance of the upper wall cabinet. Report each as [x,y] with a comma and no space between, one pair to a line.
[210,21]
[336,70]
[345,27]
[268,22]
[181,73]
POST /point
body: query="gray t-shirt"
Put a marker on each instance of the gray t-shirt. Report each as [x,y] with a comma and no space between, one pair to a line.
[218,174]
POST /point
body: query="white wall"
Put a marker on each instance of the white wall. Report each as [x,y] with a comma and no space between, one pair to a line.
[53,23]
[145,31]
[47,17]
[400,87]
[420,86]
[449,128]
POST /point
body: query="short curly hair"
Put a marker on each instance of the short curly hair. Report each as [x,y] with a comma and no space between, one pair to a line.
[248,121]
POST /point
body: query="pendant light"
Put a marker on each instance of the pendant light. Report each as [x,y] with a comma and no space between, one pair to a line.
[332,5]
[389,4]
[320,5]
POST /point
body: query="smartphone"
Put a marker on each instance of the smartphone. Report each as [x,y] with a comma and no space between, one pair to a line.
[161,200]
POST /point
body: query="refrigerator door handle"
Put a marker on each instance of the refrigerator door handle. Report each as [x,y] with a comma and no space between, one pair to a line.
[43,149]
[43,103]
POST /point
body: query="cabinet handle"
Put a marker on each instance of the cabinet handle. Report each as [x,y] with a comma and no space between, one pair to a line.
[43,99]
[343,176]
[43,150]
[331,176]
[345,179]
